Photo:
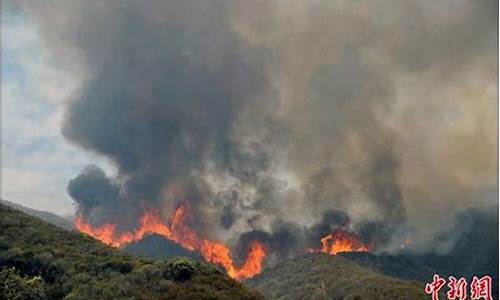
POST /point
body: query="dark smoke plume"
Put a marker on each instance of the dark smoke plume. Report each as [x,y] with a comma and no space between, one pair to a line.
[284,120]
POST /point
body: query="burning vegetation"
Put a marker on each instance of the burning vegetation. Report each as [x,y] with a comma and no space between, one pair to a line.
[177,231]
[342,241]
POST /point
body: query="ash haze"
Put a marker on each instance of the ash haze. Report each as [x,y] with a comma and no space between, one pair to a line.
[281,120]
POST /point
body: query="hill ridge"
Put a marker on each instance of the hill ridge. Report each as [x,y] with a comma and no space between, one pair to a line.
[321,276]
[38,260]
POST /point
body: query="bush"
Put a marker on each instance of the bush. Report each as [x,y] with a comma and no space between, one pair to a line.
[15,287]
[179,269]
[118,266]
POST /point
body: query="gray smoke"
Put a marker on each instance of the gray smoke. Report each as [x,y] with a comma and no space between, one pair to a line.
[283,120]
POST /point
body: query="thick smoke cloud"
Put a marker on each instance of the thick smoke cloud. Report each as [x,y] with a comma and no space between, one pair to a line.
[92,188]
[282,120]
[163,105]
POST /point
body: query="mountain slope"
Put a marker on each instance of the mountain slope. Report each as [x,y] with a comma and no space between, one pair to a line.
[320,276]
[157,247]
[43,215]
[40,261]
[474,254]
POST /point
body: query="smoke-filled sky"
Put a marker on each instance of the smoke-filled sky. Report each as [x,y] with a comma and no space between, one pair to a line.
[273,118]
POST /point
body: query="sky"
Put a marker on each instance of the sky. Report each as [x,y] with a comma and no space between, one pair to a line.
[37,162]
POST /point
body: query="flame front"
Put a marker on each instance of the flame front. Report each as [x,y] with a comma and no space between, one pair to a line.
[177,231]
[341,241]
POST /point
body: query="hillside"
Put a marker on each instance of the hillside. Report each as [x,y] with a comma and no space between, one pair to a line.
[475,254]
[157,247]
[43,215]
[40,261]
[319,276]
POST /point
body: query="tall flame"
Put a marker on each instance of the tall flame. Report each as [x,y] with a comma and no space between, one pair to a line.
[341,241]
[179,232]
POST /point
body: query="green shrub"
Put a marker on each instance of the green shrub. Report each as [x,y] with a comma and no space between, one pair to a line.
[179,269]
[15,287]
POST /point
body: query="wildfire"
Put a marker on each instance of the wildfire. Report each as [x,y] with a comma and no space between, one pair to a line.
[341,241]
[177,231]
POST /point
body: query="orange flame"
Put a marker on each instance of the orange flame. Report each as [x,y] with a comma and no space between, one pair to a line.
[177,231]
[341,241]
